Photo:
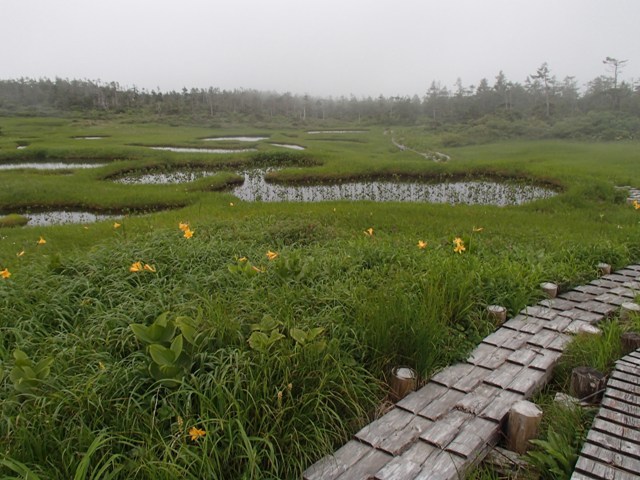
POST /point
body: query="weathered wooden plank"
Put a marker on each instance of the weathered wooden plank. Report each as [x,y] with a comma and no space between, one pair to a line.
[576,296]
[614,277]
[559,343]
[626,291]
[611,299]
[597,307]
[399,469]
[592,289]
[620,418]
[620,276]
[418,400]
[595,470]
[523,323]
[475,435]
[524,356]
[493,358]
[627,368]
[543,338]
[578,326]
[539,311]
[517,340]
[400,440]
[450,375]
[632,285]
[376,432]
[630,360]
[441,405]
[621,395]
[624,386]
[499,408]
[442,432]
[332,466]
[472,379]
[558,324]
[622,407]
[529,381]
[614,443]
[367,466]
[477,400]
[628,272]
[504,375]
[577,314]
[444,466]
[499,337]
[561,304]
[480,352]
[546,360]
[614,459]
[625,377]
[615,429]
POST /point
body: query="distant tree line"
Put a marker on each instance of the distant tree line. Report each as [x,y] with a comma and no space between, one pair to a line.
[541,97]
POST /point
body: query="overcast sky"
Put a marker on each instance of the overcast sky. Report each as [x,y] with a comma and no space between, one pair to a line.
[322,47]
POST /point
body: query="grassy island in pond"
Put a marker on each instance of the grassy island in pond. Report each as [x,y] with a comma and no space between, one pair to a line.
[196,335]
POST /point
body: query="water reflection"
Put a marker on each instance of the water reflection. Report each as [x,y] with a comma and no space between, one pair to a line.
[288,145]
[49,166]
[163,178]
[204,150]
[239,139]
[316,132]
[255,188]
[43,219]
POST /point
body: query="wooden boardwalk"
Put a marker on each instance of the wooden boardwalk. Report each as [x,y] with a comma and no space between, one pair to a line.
[612,449]
[447,426]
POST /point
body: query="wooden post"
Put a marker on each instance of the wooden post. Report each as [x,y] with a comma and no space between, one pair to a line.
[550,289]
[524,420]
[629,310]
[586,382]
[630,342]
[403,381]
[498,313]
[604,268]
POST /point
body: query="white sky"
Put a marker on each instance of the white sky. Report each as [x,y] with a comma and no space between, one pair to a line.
[321,47]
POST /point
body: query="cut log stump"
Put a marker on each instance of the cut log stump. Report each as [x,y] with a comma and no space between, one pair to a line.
[587,384]
[630,342]
[524,420]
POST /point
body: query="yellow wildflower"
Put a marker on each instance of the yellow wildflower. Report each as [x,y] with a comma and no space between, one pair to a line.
[231,204]
[116,225]
[5,273]
[42,241]
[149,268]
[196,433]
[636,204]
[459,245]
[272,255]
[188,233]
[183,226]
[422,245]
[369,232]
[136,267]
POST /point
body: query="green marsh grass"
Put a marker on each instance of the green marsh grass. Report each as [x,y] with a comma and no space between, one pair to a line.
[268,411]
